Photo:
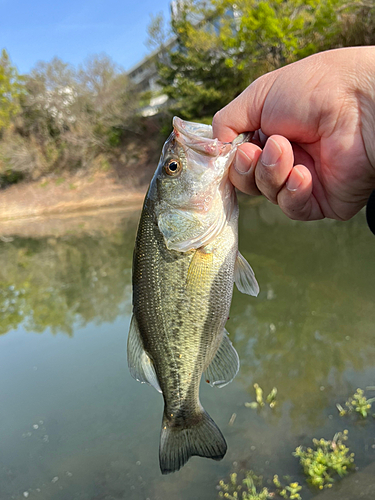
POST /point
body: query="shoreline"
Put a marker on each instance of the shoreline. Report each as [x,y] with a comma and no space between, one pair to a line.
[74,194]
[54,207]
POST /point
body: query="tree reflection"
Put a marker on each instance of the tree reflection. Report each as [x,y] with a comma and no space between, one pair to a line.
[56,283]
[313,320]
[315,315]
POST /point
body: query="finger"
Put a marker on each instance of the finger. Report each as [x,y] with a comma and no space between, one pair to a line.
[274,166]
[309,155]
[244,113]
[241,172]
[296,199]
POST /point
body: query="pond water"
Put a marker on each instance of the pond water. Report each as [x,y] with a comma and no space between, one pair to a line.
[75,425]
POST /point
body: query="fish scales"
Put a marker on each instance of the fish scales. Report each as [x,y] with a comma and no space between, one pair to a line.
[179,322]
[185,263]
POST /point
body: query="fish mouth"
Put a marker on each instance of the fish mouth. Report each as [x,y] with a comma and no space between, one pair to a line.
[198,137]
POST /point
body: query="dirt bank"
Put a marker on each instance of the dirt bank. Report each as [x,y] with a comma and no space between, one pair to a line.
[121,182]
[65,195]
[54,206]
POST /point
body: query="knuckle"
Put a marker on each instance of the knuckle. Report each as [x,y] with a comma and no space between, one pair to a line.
[217,118]
[267,182]
[295,209]
[296,215]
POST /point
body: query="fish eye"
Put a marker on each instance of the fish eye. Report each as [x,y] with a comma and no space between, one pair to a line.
[173,167]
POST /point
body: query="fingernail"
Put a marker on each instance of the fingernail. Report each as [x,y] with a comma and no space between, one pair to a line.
[295,180]
[271,153]
[242,162]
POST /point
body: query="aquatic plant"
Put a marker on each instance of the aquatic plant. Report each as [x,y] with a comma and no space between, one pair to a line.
[248,489]
[326,459]
[357,403]
[321,463]
[290,491]
[259,401]
[251,488]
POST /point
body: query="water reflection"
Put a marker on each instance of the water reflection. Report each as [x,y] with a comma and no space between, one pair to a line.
[56,282]
[315,315]
[310,333]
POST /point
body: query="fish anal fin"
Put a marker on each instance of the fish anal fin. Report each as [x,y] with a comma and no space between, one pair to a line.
[198,435]
[225,364]
[139,362]
[244,276]
[199,269]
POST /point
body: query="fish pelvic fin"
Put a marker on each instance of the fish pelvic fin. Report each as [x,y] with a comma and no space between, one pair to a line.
[140,364]
[198,435]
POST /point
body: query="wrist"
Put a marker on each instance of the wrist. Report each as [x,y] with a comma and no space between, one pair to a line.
[366,99]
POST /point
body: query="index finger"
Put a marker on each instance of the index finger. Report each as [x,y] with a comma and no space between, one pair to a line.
[244,113]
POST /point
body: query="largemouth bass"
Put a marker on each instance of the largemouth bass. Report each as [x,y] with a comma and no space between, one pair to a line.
[186,260]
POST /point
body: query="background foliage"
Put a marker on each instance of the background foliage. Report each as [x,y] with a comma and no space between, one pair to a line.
[61,118]
[221,47]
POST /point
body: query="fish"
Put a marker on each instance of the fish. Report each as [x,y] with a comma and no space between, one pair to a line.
[185,263]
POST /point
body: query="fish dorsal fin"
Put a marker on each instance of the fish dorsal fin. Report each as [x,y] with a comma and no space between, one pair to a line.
[244,276]
[140,364]
[225,365]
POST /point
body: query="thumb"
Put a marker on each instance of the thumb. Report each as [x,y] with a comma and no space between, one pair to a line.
[244,113]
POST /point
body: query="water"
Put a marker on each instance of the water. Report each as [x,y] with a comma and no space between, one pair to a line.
[75,425]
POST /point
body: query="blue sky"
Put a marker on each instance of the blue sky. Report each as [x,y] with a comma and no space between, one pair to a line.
[72,30]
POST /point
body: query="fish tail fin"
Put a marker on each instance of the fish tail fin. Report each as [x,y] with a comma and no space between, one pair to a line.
[194,436]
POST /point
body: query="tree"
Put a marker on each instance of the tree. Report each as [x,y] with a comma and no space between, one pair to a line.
[221,46]
[69,118]
[107,100]
[11,89]
[195,75]
[48,105]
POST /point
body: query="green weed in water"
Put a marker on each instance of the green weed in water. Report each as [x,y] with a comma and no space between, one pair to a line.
[326,459]
[290,491]
[251,488]
[357,403]
[259,401]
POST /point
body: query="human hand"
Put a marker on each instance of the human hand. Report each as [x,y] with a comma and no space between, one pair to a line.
[316,118]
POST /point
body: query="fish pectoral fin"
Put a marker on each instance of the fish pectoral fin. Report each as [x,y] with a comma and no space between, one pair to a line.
[140,364]
[244,276]
[199,269]
[225,365]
